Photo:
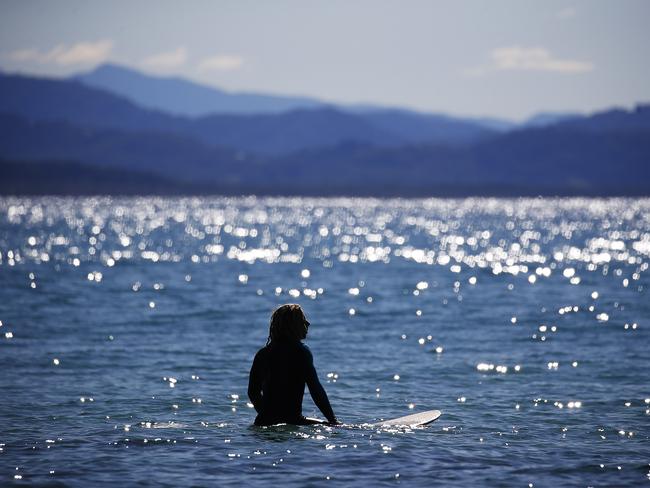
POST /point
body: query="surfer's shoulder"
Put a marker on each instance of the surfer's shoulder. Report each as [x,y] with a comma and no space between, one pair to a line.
[262,352]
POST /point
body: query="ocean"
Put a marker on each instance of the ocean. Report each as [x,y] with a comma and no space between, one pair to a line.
[128,328]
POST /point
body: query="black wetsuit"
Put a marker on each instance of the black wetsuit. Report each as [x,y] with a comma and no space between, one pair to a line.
[277,381]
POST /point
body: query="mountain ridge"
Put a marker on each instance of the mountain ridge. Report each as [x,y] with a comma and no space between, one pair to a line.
[43,99]
[179,96]
[317,151]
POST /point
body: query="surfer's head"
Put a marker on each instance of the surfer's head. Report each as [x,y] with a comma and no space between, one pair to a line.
[288,323]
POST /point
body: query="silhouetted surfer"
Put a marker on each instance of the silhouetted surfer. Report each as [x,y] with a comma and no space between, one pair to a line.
[281,369]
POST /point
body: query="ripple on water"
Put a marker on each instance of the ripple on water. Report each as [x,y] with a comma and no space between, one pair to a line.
[524,321]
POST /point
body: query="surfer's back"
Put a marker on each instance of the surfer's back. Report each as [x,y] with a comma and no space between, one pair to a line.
[279,371]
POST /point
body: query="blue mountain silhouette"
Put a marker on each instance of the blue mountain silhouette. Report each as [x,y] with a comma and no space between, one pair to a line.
[71,129]
[182,97]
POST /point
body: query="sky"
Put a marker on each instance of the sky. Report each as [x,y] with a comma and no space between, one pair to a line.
[498,58]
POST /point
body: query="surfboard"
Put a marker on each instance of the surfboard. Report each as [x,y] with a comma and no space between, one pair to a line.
[413,420]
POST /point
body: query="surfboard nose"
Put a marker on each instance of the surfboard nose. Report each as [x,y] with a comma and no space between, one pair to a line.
[421,418]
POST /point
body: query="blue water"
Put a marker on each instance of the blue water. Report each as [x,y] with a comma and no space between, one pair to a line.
[129,325]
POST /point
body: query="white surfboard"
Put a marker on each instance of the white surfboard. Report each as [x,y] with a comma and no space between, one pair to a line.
[413,420]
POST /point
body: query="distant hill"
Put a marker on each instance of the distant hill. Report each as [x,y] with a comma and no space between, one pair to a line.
[168,155]
[182,97]
[70,178]
[46,99]
[528,162]
[545,161]
[321,151]
[179,96]
[42,99]
[636,119]
[412,127]
[284,133]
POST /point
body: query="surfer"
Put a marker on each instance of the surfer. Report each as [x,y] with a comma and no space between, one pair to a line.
[281,369]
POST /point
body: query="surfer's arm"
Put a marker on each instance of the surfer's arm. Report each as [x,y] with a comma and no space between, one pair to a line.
[317,391]
[255,385]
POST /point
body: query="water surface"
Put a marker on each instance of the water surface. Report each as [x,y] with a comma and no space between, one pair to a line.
[129,325]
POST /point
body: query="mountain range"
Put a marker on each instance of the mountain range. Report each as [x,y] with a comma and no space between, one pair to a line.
[99,123]
[183,97]
[272,133]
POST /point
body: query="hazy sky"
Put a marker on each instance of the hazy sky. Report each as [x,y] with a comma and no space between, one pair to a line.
[507,58]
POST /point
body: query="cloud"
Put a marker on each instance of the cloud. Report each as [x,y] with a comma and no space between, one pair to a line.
[535,59]
[79,53]
[167,60]
[516,58]
[221,63]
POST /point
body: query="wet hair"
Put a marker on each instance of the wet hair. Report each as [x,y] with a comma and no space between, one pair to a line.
[288,323]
